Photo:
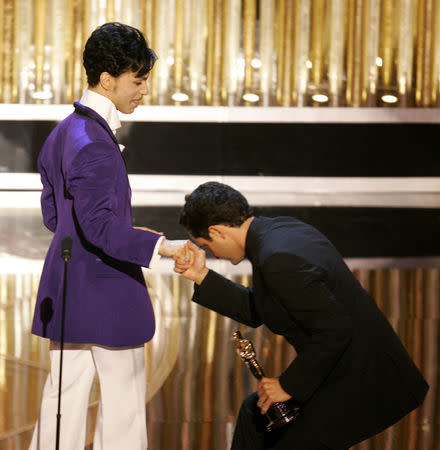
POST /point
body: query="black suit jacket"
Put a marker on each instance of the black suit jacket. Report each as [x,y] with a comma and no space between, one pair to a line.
[352,373]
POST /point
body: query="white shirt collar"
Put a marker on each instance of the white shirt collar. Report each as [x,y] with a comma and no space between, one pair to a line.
[104,107]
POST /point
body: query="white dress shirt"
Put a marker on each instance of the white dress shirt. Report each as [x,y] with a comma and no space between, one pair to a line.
[107,110]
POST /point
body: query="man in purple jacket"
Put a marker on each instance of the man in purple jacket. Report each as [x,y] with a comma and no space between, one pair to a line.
[108,315]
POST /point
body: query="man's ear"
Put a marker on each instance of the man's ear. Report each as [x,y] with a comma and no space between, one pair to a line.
[216,231]
[106,81]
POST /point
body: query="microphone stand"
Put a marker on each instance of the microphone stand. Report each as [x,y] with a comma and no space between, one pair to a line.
[66,253]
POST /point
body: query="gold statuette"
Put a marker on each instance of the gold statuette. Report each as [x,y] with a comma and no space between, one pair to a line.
[279,413]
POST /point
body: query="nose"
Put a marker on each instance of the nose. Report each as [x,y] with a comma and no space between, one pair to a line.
[144,87]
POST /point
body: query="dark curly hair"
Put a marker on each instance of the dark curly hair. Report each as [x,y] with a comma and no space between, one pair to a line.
[116,48]
[213,203]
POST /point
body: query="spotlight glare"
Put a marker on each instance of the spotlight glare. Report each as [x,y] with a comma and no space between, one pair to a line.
[389,98]
[320,98]
[249,97]
[180,97]
[309,64]
[42,95]
[256,63]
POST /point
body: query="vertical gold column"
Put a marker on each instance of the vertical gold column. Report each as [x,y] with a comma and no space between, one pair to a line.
[110,11]
[424,71]
[405,45]
[3,336]
[40,10]
[280,30]
[2,47]
[8,38]
[387,42]
[147,21]
[429,93]
[161,39]
[214,47]
[75,38]
[96,13]
[15,52]
[179,23]
[197,44]
[249,19]
[416,343]
[317,41]
[69,49]
[337,39]
[74,48]
[147,14]
[285,21]
[419,51]
[436,51]
[301,38]
[58,55]
[231,49]
[394,298]
[23,57]
[266,50]
[431,353]
[80,43]
[371,25]
[127,11]
[354,53]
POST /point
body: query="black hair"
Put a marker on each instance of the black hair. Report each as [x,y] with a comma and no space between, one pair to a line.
[116,48]
[213,203]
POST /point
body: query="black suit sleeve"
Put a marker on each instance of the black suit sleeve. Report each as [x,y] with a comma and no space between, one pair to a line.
[302,291]
[227,298]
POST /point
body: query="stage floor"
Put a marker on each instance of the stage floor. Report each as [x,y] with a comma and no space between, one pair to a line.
[195,380]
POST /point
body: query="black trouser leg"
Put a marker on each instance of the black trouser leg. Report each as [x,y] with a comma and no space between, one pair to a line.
[250,432]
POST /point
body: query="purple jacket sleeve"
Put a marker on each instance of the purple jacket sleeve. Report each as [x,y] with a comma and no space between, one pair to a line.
[101,202]
[48,206]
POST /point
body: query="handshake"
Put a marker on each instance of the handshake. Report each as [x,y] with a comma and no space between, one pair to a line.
[189,260]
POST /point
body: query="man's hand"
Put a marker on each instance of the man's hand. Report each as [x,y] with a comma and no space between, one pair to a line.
[176,248]
[197,270]
[270,391]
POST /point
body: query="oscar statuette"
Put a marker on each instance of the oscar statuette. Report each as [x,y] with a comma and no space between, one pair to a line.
[278,413]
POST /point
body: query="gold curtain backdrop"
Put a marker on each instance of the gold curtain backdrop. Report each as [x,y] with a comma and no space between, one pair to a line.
[196,382]
[235,52]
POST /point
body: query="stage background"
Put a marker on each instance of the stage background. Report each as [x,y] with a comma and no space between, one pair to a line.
[324,110]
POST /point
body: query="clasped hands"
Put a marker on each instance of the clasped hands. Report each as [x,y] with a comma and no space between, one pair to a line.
[193,265]
[176,249]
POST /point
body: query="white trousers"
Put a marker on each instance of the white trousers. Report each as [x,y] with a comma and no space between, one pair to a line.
[121,418]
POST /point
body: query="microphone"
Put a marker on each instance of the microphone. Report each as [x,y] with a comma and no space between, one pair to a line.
[66,248]
[66,253]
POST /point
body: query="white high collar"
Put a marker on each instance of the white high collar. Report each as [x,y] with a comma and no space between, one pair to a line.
[104,107]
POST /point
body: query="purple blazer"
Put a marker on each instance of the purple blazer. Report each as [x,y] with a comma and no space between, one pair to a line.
[86,195]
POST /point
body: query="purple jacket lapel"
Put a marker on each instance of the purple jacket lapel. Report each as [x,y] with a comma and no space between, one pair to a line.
[85,111]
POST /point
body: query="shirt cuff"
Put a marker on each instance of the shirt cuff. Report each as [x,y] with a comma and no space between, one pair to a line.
[156,257]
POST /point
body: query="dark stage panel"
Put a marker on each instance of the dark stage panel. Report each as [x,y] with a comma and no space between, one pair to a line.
[356,232]
[271,149]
